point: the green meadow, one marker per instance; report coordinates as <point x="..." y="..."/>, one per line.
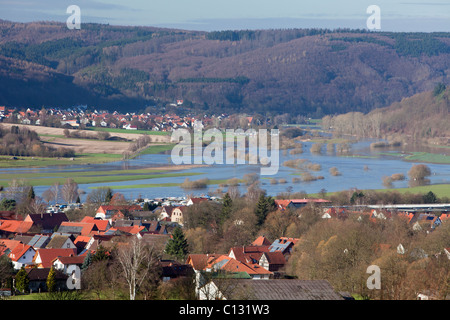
<point x="88" y="177"/>
<point x="428" y="157"/>
<point x="155" y="149"/>
<point x="440" y="190"/>
<point x="80" y="158"/>
<point x="425" y="157"/>
<point x="119" y="130"/>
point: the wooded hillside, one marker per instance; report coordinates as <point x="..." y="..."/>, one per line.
<point x="312" y="72"/>
<point x="423" y="117"/>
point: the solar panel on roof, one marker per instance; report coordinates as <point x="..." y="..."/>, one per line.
<point x="34" y="240"/>
<point x="41" y="242"/>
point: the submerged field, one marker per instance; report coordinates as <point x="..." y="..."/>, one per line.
<point x="88" y="177"/>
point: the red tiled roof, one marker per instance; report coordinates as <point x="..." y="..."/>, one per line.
<point x="131" y="229"/>
<point x="70" y="260"/>
<point x="198" y="200"/>
<point x="261" y="241"/>
<point x="233" y="265"/>
<point x="10" y="244"/>
<point x="15" y="226"/>
<point x="48" y="255"/>
<point x="276" y="257"/>
<point x="10" y="215"/>
<point x="249" y="254"/>
<point x="200" y="261"/>
<point x="18" y="251"/>
<point x="102" y="225"/>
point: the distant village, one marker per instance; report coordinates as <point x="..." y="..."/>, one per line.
<point x="80" y="118"/>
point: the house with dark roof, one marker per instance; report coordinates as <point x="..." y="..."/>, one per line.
<point x="173" y="270"/>
<point x="274" y="289"/>
<point x="47" y="222"/>
<point x="39" y="241"/>
<point x="154" y="227"/>
<point x="38" y="279"/>
<point x="272" y="261"/>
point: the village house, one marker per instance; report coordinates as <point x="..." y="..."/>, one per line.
<point x="64" y="263"/>
<point x="77" y="228"/>
<point x="47" y="222"/>
<point x="43" y="257"/>
<point x="283" y="245"/>
<point x="101" y="225"/>
<point x="106" y="212"/>
<point x="275" y="289"/>
<point x="61" y="242"/>
<point x="294" y="204"/>
<point x="177" y="214"/>
<point x="38" y="279"/>
<point x="21" y="255"/>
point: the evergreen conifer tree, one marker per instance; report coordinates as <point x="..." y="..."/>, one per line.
<point x="177" y="246"/>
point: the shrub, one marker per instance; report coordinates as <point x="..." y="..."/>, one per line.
<point x="334" y="171"/>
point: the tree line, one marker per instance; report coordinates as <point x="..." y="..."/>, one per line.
<point x="17" y="141"/>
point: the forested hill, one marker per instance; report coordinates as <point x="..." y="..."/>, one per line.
<point x="311" y="72"/>
<point x="423" y="117"/>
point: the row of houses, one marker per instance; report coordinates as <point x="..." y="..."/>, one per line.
<point x="39" y="242"/>
<point x="130" y="121"/>
<point x="424" y="218"/>
<point x="61" y="244"/>
<point x="235" y="275"/>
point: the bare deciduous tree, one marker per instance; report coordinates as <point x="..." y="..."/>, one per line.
<point x="138" y="260"/>
<point x="69" y="191"/>
<point x="37" y="206"/>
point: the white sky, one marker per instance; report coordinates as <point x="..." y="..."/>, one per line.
<point x="396" y="15"/>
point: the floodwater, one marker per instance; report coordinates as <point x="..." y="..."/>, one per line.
<point x="364" y="168"/>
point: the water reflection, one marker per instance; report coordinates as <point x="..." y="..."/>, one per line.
<point x="363" y="168"/>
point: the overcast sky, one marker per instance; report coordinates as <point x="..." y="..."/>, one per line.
<point x="396" y="15"/>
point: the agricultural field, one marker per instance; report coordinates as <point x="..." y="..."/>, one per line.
<point x="87" y="151"/>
